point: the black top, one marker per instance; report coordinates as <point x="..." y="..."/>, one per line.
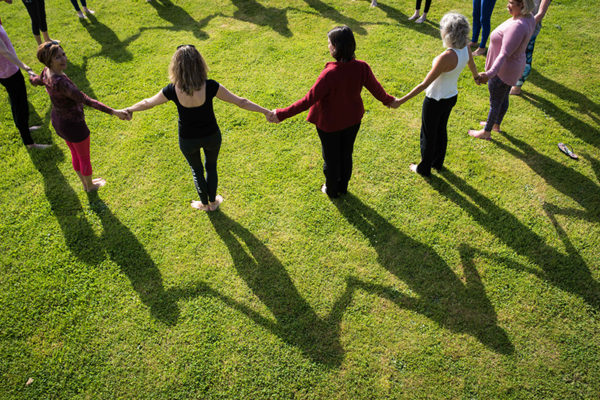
<point x="195" y="122"/>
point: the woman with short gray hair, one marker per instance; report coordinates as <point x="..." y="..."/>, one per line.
<point x="441" y="91"/>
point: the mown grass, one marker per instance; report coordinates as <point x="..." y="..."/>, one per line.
<point x="482" y="282"/>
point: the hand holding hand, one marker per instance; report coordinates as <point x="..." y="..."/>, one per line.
<point x="396" y="103"/>
<point x="123" y="114"/>
<point x="272" y="117"/>
<point x="483" y="78"/>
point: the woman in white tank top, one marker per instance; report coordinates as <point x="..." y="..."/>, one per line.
<point x="441" y="91"/>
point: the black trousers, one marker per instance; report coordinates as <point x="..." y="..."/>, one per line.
<point x="17" y="96"/>
<point x="206" y="186"/>
<point x="337" y="148"/>
<point x="37" y="13"/>
<point x="434" y="136"/>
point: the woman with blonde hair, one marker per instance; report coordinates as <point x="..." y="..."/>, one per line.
<point x="193" y="95"/>
<point x="505" y="62"/>
<point x="441" y="91"/>
<point x="67" y="111"/>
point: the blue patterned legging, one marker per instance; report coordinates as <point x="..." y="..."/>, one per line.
<point x="528" y="58"/>
<point x="482" y="14"/>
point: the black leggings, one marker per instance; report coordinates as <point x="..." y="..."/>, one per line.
<point x="37" y="13"/>
<point x="499" y="94"/>
<point x="74" y="2"/>
<point x="427" y="5"/>
<point x="205" y="186"/>
<point x="434" y="135"/>
<point x="337" y="148"/>
<point x="17" y="96"/>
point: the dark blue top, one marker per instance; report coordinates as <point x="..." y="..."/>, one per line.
<point x="195" y="122"/>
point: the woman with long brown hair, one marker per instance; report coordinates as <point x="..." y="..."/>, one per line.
<point x="193" y="93"/>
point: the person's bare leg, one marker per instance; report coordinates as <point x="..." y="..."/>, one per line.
<point x="414" y="16"/>
<point x="46" y="37"/>
<point x="422" y="18"/>
<point x="38" y="39"/>
<point x="90" y="184"/>
<point x="495" y="127"/>
<point x="373" y="3"/>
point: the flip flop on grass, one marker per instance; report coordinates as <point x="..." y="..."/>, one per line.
<point x="565" y="148"/>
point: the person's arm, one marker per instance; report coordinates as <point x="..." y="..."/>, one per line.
<point x="68" y="89"/>
<point x="226" y="95"/>
<point x="473" y="67"/>
<point x="11" y="56"/>
<point x="317" y="92"/>
<point x="447" y="61"/>
<point x="146" y="104"/>
<point x="513" y="36"/>
<point x="373" y="86"/>
<point x="542" y="10"/>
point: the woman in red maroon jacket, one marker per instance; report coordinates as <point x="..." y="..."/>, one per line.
<point x="336" y="108"/>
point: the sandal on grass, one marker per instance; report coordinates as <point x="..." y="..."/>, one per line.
<point x="565" y="148"/>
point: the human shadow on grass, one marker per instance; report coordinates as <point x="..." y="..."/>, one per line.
<point x="568" y="272"/>
<point x="125" y="250"/>
<point x="568" y="119"/>
<point x="253" y="12"/>
<point x="331" y="13"/>
<point x="295" y="321"/>
<point x="566" y="180"/>
<point x="78" y="74"/>
<point x="180" y="19"/>
<point x="111" y="46"/>
<point x="427" y="28"/>
<point x="439" y="293"/>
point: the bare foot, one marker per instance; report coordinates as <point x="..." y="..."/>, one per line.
<point x="34" y="128"/>
<point x="38" y="146"/>
<point x="198" y="205"/>
<point x="515" y="90"/>
<point x="373" y="3"/>
<point x="495" y="127"/>
<point x="214" y="205"/>
<point x="414" y="16"/>
<point x="88" y="11"/>
<point x="80" y="15"/>
<point x="481" y="51"/>
<point x="97" y="183"/>
<point x="413" y="168"/>
<point x="472" y="44"/>
<point x="480" y="134"/>
<point x="421" y="19"/>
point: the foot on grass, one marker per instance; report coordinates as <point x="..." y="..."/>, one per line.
<point x="373" y="3"/>
<point x="515" y="90"/>
<point x="214" y="205"/>
<point x="414" y="16"/>
<point x="80" y="15"/>
<point x="495" y="127"/>
<point x="421" y="19"/>
<point x="89" y="12"/>
<point x="97" y="183"/>
<point x="481" y="51"/>
<point x="473" y="44"/>
<point x="198" y="205"/>
<point x="38" y="146"/>
<point x="34" y="128"/>
<point x="480" y="134"/>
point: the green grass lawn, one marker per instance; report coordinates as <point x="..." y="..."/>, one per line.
<point x="482" y="282"/>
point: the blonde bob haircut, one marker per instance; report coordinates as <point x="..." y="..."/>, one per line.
<point x="46" y="52"/>
<point x="527" y="7"/>
<point x="454" y="29"/>
<point x="188" y="69"/>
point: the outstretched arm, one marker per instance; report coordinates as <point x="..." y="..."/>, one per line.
<point x="11" y="56"/>
<point x="226" y="95"/>
<point x="542" y="10"/>
<point x="146" y="104"/>
<point x="473" y="67"/>
<point x="447" y="61"/>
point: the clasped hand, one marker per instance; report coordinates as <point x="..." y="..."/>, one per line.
<point x="124" y="114"/>
<point x="271" y="116"/>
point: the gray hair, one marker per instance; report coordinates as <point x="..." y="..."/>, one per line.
<point x="455" y="29"/>
<point x="527" y="7"/>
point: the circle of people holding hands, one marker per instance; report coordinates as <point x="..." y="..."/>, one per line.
<point x="334" y="101"/>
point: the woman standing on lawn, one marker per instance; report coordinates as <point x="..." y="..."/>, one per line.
<point x="505" y="62"/>
<point x="441" y="92"/>
<point x="85" y="9"/>
<point x="193" y="95"/>
<point x="67" y="111"/>
<point x="37" y="13"/>
<point x="12" y="79"/>
<point x="482" y="16"/>
<point x="336" y="108"/>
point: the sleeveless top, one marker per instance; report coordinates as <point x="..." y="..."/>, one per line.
<point x="445" y="85"/>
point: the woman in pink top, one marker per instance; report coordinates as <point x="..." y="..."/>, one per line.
<point x="67" y="111"/>
<point x="505" y="62"/>
<point x="336" y="108"/>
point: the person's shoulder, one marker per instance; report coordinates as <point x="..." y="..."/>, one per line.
<point x="169" y="91"/>
<point x="212" y="87"/>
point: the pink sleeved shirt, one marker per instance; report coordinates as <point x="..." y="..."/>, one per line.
<point x="508" y="42"/>
<point x="7" y="68"/>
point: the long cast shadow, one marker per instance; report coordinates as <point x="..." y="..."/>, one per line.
<point x="566" y="180"/>
<point x="329" y="12"/>
<point x="568" y="272"/>
<point x="112" y="47"/>
<point x="296" y="322"/>
<point x="180" y="19"/>
<point x="568" y="120"/>
<point x="117" y="240"/>
<point x="402" y="19"/>
<point x="257" y="14"/>
<point x="440" y="295"/>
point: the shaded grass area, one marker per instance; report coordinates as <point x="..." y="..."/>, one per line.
<point x="480" y="282"/>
